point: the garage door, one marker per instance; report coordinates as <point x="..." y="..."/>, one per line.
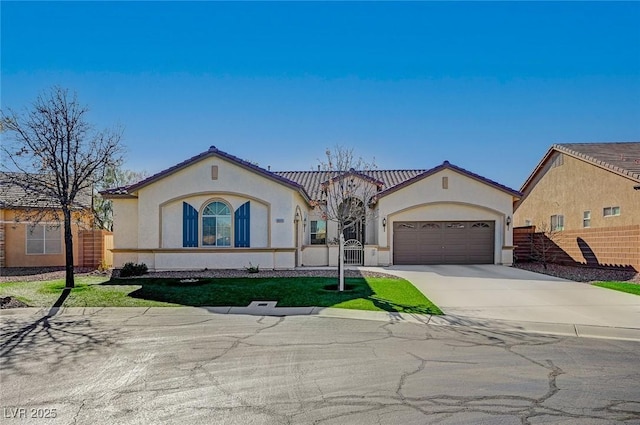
<point x="443" y="242"/>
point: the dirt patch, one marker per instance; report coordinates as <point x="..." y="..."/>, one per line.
<point x="582" y="274"/>
<point x="31" y="274"/>
<point x="10" y="302"/>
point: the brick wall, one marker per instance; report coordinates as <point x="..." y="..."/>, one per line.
<point x="611" y="246"/>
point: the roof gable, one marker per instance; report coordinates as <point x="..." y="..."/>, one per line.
<point x="127" y="191"/>
<point x="352" y="173"/>
<point x="622" y="158"/>
<point x="446" y="165"/>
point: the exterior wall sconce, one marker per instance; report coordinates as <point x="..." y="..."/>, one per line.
<point x="508" y="221"/>
<point x="384" y="223"/>
<point x="304" y="222"/>
<point x="297" y="217"/>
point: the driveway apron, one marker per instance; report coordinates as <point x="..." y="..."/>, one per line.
<point x="507" y="293"/>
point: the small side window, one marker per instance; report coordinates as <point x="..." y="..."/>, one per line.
<point x="610" y="211"/>
<point x="557" y="223"/>
<point x="586" y="219"/>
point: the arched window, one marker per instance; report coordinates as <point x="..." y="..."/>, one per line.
<point x="216" y="225"/>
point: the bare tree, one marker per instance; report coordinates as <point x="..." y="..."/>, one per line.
<point x="54" y="155"/>
<point x="114" y="176"/>
<point x="346" y="194"/>
<point x="544" y="244"/>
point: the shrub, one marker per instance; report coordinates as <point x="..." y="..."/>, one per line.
<point x="133" y="269"/>
<point x="253" y="269"/>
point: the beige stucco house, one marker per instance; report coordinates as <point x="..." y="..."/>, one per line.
<point x="215" y="210"/>
<point x="588" y="194"/>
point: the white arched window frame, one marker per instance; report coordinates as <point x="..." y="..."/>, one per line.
<point x="216" y="224"/>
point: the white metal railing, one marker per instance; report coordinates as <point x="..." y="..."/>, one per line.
<point x="353" y="252"/>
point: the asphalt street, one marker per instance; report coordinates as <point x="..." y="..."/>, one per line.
<point x="188" y="365"/>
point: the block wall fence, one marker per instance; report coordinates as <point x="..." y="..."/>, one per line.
<point x="599" y="247"/>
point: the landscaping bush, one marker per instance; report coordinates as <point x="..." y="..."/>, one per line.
<point x="253" y="269"/>
<point x="133" y="269"/>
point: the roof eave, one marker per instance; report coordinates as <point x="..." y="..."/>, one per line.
<point x="212" y="152"/>
<point x="598" y="163"/>
<point x="118" y="196"/>
<point x="449" y="166"/>
<point x="538" y="167"/>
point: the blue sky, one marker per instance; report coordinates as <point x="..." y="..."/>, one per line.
<point x="487" y="86"/>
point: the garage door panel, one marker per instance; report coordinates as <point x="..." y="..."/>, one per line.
<point x="441" y="242"/>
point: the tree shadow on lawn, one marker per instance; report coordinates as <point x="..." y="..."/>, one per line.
<point x="288" y="292"/>
<point x="390" y="306"/>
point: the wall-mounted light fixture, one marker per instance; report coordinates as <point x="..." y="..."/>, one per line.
<point x="297" y="217"/>
<point x="637" y="187"/>
<point x="304" y="222"/>
<point x="508" y="221"/>
<point x="384" y="223"/>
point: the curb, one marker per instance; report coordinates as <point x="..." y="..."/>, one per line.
<point x="268" y="308"/>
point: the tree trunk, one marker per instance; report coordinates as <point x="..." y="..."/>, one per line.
<point x="341" y="263"/>
<point x="340" y="253"/>
<point x="68" y="249"/>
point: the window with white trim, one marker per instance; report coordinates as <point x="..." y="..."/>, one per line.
<point x="318" y="232"/>
<point x="216" y="224"/>
<point x="44" y="239"/>
<point x="557" y="223"/>
<point x="610" y="211"/>
<point x="586" y="219"/>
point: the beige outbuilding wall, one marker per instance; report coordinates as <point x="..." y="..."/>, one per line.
<point x="569" y="186"/>
<point x="571" y="189"/>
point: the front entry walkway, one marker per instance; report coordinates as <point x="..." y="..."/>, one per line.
<point x="507" y="293"/>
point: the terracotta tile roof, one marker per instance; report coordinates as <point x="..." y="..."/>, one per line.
<point x="16" y="192"/>
<point x="312" y="180"/>
<point x="621" y="157"/>
<point x="391" y="180"/>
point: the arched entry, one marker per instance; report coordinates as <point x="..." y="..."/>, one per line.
<point x="354" y="218"/>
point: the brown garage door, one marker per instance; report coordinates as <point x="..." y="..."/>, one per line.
<point x="443" y="242"/>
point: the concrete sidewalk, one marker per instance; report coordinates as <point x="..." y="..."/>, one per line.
<point x="182" y="315"/>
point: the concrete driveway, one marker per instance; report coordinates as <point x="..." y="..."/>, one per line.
<point x="507" y="293"/>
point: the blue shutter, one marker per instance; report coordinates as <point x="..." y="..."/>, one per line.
<point x="189" y="225"/>
<point x="242" y="226"/>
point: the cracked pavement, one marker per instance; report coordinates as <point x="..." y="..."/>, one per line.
<point x="141" y="366"/>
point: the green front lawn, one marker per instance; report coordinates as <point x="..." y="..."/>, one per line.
<point x="382" y="294"/>
<point x="631" y="288"/>
<point x="89" y="292"/>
